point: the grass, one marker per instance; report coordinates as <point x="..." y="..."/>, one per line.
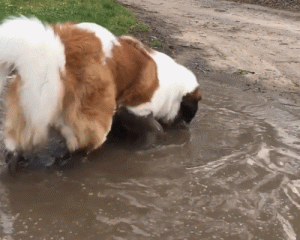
<point x="107" y="13"/>
<point x="156" y="43"/>
<point x="244" y="72"/>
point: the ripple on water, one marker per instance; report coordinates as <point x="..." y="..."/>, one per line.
<point x="234" y="174"/>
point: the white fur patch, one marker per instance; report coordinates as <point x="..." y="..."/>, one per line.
<point x="108" y="40"/>
<point x="175" y="81"/>
<point x="39" y="56"/>
<point x="10" y="144"/>
<point x="4" y="71"/>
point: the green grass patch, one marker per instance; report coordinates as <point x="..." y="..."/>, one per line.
<point x="141" y="27"/>
<point x="156" y="43"/>
<point x="107" y="13"/>
<point x="244" y="72"/>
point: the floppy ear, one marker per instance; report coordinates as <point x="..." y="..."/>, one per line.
<point x="138" y="80"/>
<point x="189" y="105"/>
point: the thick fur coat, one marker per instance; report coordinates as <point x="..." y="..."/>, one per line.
<point x="75" y="76"/>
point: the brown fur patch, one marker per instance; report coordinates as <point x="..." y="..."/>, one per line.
<point x="89" y="98"/>
<point x="195" y="95"/>
<point x="135" y="72"/>
<point x="137" y="44"/>
<point x="15" y="121"/>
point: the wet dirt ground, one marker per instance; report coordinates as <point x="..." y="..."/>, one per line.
<point x="234" y="173"/>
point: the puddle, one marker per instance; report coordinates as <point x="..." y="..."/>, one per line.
<point x="234" y="174"/>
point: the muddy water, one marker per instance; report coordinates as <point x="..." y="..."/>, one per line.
<point x="234" y="174"/>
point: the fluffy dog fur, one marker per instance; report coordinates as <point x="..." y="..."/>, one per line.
<point x="75" y="76"/>
<point x="177" y="89"/>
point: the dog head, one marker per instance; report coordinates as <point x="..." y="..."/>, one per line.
<point x="178" y="94"/>
<point x="188" y="107"/>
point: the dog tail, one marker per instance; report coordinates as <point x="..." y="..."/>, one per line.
<point x="38" y="55"/>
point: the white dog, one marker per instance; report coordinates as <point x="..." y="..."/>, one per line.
<point x="75" y="76"/>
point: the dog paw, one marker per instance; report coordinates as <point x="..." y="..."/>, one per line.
<point x="63" y="160"/>
<point x="12" y="159"/>
<point x="149" y="140"/>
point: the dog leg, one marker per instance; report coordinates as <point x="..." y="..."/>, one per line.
<point x="138" y="123"/>
<point x="14" y="118"/>
<point x="12" y="156"/>
<point x="18" y="134"/>
<point x="12" y="159"/>
<point x="146" y="129"/>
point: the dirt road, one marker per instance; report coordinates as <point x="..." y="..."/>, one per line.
<point x="233" y="37"/>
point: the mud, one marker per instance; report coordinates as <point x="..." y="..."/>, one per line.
<point x="234" y="173"/>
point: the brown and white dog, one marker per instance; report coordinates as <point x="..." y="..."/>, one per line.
<point x="75" y="76"/>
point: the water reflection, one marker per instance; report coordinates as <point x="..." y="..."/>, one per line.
<point x="234" y="174"/>
<point x="7" y="219"/>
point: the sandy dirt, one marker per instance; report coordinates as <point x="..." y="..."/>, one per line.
<point x="259" y="42"/>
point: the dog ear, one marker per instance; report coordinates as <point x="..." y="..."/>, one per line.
<point x="193" y="96"/>
<point x="139" y="76"/>
<point x="189" y="105"/>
